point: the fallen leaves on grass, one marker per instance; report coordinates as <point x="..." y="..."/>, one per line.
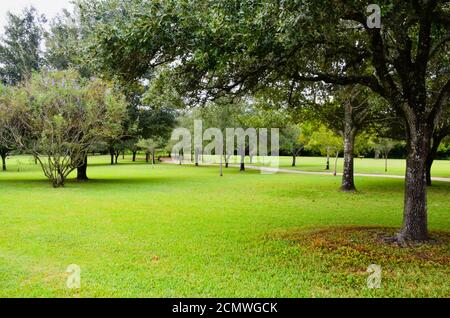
<point x="353" y="247"/>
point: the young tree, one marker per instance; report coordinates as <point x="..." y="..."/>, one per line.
<point x="384" y="146"/>
<point x="62" y="52"/>
<point x="327" y="143"/>
<point x="150" y="146"/>
<point x="293" y="141"/>
<point x="58" y="117"/>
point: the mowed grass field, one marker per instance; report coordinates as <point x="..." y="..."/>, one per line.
<point x="138" y="230"/>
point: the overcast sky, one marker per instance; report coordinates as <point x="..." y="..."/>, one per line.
<point x="48" y="7"/>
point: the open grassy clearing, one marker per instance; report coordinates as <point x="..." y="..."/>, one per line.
<point x="142" y="231"/>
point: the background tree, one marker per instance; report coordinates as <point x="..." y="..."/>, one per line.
<point x="6" y="139"/>
<point x="150" y="146"/>
<point x="64" y="44"/>
<point x="347" y="111"/>
<point x="292" y="141"/>
<point x="384" y="146"/>
<point x="20" y="46"/>
<point x="327" y="143"/>
<point x="221" y="114"/>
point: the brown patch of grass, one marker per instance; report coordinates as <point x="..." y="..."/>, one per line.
<point x="352" y="248"/>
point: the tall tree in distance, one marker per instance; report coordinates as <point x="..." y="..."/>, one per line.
<point x="6" y="140"/>
<point x="64" y="44"/>
<point x="292" y="141"/>
<point x="20" y="52"/>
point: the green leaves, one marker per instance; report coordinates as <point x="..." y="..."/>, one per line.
<point x="20" y="46"/>
<point x="60" y="116"/>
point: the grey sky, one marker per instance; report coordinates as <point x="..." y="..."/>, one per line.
<point x="48" y="7"/>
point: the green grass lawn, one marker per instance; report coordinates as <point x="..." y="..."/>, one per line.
<point x="170" y="231"/>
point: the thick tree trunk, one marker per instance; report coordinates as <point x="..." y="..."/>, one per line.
<point x="147" y="157"/>
<point x="3" y="155"/>
<point x="134" y="156"/>
<point x="350" y="130"/>
<point x="327" y="167"/>
<point x="428" y="171"/>
<point x="348" y="183"/>
<point x="293" y="160"/>
<point x="242" y="165"/>
<point x="82" y="171"/>
<point x="153" y="157"/>
<point x="415" y="207"/>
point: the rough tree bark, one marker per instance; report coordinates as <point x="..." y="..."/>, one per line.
<point x="82" y="171"/>
<point x="415" y="209"/>
<point x="348" y="183"/>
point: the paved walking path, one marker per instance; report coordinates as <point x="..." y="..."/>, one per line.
<point x="269" y="169"/>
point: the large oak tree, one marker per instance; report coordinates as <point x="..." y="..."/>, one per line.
<point x="236" y="46"/>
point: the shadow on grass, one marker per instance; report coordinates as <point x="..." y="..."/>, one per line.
<point x="94" y="183"/>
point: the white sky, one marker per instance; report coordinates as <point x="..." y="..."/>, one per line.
<point x="48" y="7"/>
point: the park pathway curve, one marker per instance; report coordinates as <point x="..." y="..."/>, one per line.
<point x="268" y="169"/>
<point x="293" y="171"/>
